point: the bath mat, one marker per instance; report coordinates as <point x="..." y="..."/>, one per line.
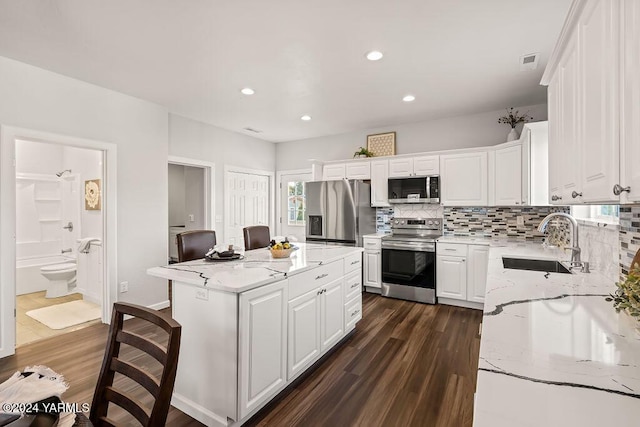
<point x="68" y="314"/>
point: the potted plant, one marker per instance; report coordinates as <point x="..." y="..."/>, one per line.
<point x="362" y="152"/>
<point x="512" y="119"/>
<point x="627" y="295"/>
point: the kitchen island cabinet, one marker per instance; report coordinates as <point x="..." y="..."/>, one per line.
<point x="251" y="326"/>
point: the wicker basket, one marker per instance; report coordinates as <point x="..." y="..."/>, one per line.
<point x="280" y="253"/>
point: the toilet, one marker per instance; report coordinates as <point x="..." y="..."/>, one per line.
<point x="62" y="279"/>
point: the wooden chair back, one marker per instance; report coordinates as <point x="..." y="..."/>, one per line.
<point x="161" y="389"/>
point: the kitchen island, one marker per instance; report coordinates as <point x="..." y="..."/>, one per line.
<point x="553" y="352"/>
<point x="251" y="326"/>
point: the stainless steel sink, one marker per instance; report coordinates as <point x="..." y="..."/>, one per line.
<point x="535" y="265"/>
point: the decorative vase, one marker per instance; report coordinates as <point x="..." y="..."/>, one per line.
<point x="513" y="135"/>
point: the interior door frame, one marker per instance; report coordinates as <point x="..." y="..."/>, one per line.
<point x="209" y="186"/>
<point x="8" y="137"/>
<point x="272" y="185"/>
<point x="279" y="192"/>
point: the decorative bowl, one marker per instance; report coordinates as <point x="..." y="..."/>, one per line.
<point x="281" y="253"/>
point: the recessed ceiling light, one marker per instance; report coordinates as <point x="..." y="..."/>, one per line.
<point x="248" y="91"/>
<point x="374" y="55"/>
<point x="409" y="98"/>
<point x="306" y="118"/>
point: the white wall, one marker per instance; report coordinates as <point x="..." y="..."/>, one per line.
<point x="196" y="140"/>
<point x="176" y="195"/>
<point x="194" y="197"/>
<point x="88" y="164"/>
<point x="34" y="98"/>
<point x="474" y="130"/>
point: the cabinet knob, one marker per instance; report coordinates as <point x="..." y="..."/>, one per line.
<point x="619" y="189"/>
<point x="575" y="194"/>
<point x="517" y="203"/>
<point x="556" y="198"/>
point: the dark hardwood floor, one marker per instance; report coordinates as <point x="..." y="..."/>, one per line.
<point x="407" y="364"/>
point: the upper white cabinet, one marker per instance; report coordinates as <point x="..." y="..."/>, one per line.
<point x="379" y="183"/>
<point x="592" y="114"/>
<point x="414" y="166"/>
<point x="630" y="111"/>
<point x="464" y="179"/>
<point x="507" y="176"/>
<point x="358" y="170"/>
<point x="333" y="172"/>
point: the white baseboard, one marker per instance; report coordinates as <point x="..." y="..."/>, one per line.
<point x="160" y="305"/>
<point x="197" y="411"/>
<point x="461" y="303"/>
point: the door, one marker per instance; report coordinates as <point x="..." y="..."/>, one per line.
<point x="372" y="269"/>
<point x="599" y="100"/>
<point x="464" y="179"/>
<point x="379" y="183"/>
<point x="508" y="176"/>
<point x="477" y="266"/>
<point x="263" y="344"/>
<point x="247" y="203"/>
<point x="400" y="167"/>
<point x="331" y="314"/>
<point x="426" y="165"/>
<point x="293" y="204"/>
<point x="452" y="277"/>
<point x="630" y="148"/>
<point x="304" y="332"/>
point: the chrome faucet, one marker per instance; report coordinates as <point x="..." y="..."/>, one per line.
<point x="575" y="242"/>
<point x="64" y="251"/>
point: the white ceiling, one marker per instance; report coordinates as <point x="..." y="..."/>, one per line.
<point x="301" y="57"/>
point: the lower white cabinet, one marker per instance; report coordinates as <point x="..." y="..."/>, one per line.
<point x="263" y="345"/>
<point x="316" y="323"/>
<point x="461" y="271"/>
<point x="372" y="266"/>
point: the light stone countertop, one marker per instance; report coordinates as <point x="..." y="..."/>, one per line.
<point x="553" y="352"/>
<point x="257" y="268"/>
<point x="475" y="240"/>
<point x="378" y="235"/>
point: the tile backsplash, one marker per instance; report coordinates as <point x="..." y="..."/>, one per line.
<point x="513" y="222"/>
<point x="629" y="236"/>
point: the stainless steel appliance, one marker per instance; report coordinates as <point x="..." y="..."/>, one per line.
<point x="339" y="211"/>
<point x="415" y="189"/>
<point x="409" y="259"/>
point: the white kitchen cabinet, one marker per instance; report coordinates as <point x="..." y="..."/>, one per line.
<point x="379" y="183"/>
<point x="535" y="163"/>
<point x="400" y="167"/>
<point x="304" y="332"/>
<point x="507" y="176"/>
<point x="630" y="103"/>
<point x="426" y="165"/>
<point x="477" y="266"/>
<point x="334" y="172"/>
<point x="263" y="345"/>
<point x="372" y="268"/>
<point x="555" y="148"/>
<point x="464" y="179"/>
<point x="598" y="99"/>
<point x="331" y="314"/>
<point x="358" y="170"/>
<point x="451" y="274"/>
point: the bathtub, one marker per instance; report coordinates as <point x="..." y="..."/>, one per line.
<point x="28" y="277"/>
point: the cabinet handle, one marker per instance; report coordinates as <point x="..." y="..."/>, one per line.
<point x="355" y="285"/>
<point x="556" y="198"/>
<point x="448" y="249"/>
<point x="318" y="293"/>
<point x="517" y="203"/>
<point x="355" y="262"/>
<point x="355" y="313"/>
<point x="575" y="194"/>
<point x="324" y="291"/>
<point x="322" y="276"/>
<point x="619" y="189"/>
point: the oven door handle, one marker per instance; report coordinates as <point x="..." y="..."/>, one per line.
<point x="429" y="247"/>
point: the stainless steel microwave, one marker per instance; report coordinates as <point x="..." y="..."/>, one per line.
<point x="415" y="189"/>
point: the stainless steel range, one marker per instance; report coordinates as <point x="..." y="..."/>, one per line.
<point x="409" y="259"/>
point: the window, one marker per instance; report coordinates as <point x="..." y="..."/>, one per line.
<point x="598" y="213"/>
<point x="296" y="203"/>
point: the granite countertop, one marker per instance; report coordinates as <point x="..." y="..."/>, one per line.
<point x="257" y="268"/>
<point x="553" y="352"/>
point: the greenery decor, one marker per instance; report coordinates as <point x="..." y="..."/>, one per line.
<point x="513" y="118"/>
<point x="627" y="296"/>
<point x="363" y="152"/>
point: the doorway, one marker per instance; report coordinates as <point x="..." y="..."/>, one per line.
<point x="248" y="201"/>
<point x="292" y="203"/>
<point x="58" y="227"/>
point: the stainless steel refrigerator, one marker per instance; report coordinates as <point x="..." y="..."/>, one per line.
<point x="339" y="211"/>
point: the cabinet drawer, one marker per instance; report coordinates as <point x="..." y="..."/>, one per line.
<point x="372" y="243"/>
<point x="352" y="285"/>
<point x="451" y="249"/>
<point x="353" y="262"/>
<point x="309" y="280"/>
<point x="352" y="313"/>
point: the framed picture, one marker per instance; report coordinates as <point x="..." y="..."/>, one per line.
<point x="92" y="195"/>
<point x="382" y="144"/>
